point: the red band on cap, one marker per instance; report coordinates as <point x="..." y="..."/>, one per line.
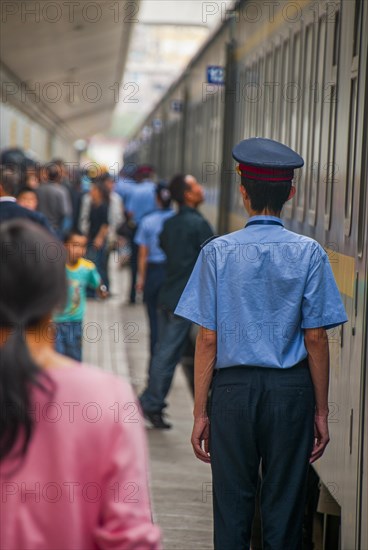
<point x="266" y="174"/>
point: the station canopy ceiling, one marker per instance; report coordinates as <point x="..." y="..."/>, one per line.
<point x="67" y="58"/>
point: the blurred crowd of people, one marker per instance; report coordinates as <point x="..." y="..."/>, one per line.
<point x="88" y="214"/>
<point x="95" y="212"/>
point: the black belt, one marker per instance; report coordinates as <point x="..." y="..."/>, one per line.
<point x="302" y="363"/>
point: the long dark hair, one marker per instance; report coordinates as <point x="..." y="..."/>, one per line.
<point x="99" y="183"/>
<point x="33" y="284"/>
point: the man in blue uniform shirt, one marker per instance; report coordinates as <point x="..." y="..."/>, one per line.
<point x="141" y="201"/>
<point x="152" y="259"/>
<point x="263" y="297"/>
<point x="180" y="240"/>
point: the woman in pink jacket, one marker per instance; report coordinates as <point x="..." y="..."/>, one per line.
<point x="73" y="460"/>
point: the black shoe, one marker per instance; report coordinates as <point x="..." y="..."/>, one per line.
<point x="157" y="420"/>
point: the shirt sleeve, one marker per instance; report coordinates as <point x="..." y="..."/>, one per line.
<point x="141" y="235"/>
<point x="198" y="302"/>
<point x="126" y="520"/>
<point x="205" y="232"/>
<point x="67" y="201"/>
<point x="162" y="238"/>
<point x="322" y="306"/>
<point x="94" y="278"/>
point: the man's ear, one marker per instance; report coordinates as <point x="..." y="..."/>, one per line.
<point x="292" y="192"/>
<point x="243" y="191"/>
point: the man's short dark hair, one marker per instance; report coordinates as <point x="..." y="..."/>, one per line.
<point x="177" y="188"/>
<point x="26" y="189"/>
<point x="9" y="180"/>
<point x="53" y="172"/>
<point x="73" y="233"/>
<point x="266" y="194"/>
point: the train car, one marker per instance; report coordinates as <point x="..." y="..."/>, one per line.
<point x="295" y="72"/>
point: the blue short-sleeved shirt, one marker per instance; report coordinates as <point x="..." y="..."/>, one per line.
<point x="124" y="187"/>
<point x="259" y="288"/>
<point x="142" y="200"/>
<point x="148" y="232"/>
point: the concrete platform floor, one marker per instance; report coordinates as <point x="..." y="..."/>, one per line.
<point x="116" y="339"/>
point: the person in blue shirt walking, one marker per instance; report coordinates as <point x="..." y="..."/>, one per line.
<point x="264" y="298"/>
<point x="126" y="183"/>
<point x="141" y="201"/>
<point x="181" y="240"/>
<point x="152" y="259"/>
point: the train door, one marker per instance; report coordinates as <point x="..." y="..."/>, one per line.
<point x="227" y="171"/>
<point x="355" y="234"/>
<point x="363" y="254"/>
<point x="341" y="470"/>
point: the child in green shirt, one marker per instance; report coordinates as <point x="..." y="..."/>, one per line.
<point x="81" y="273"/>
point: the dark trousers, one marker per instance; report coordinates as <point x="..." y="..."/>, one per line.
<point x="154" y="278"/>
<point x="133" y="270"/>
<point x="100" y="257"/>
<point x="69" y="339"/>
<point x="260" y="416"/>
<point x="173" y="332"/>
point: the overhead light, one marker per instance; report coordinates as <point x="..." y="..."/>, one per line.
<point x="80" y="145"/>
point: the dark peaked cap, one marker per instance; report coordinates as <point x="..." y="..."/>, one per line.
<point x="266" y="159"/>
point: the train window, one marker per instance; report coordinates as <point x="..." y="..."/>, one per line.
<point x="253" y="97"/>
<point x="259" y="88"/>
<point x="351" y="154"/>
<point x="208" y="130"/>
<point x="202" y="118"/>
<point x="357" y="26"/>
<point x="218" y="127"/>
<point x="352" y="149"/>
<point x="241" y="120"/>
<point x="196" y="151"/>
<point x="318" y="116"/>
<point x="362" y="223"/>
<point x="189" y="135"/>
<point x="214" y="128"/>
<point x="275" y="95"/>
<point x="293" y="92"/>
<point x="306" y="116"/>
<point x="336" y="39"/>
<point x="330" y="170"/>
<point x="284" y="103"/>
<point x="246" y="107"/>
<point x="267" y="96"/>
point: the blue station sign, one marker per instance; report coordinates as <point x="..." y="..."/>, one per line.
<point x="216" y="75"/>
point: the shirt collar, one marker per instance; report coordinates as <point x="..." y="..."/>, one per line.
<point x="185" y="208"/>
<point x="265" y="217"/>
<point x="75" y="266"/>
<point x="8" y="199"/>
